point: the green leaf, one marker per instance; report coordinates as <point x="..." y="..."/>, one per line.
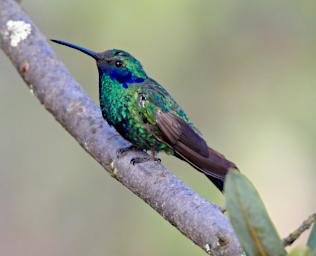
<point x="300" y="251"/>
<point x="312" y="239"/>
<point x="250" y="219"/>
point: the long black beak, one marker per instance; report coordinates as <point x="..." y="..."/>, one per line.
<point x="79" y="48"/>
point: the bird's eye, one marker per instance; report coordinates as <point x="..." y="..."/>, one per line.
<point x="118" y="63"/>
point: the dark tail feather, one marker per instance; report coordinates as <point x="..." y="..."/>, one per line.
<point x="217" y="182"/>
<point x="215" y="166"/>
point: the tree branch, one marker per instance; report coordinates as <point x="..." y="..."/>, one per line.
<point x="49" y="80"/>
<point x="290" y="239"/>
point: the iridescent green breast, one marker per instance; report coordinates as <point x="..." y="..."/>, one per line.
<point x="120" y="107"/>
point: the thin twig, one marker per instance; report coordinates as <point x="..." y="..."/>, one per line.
<point x="290" y="239"/>
<point x="49" y="80"/>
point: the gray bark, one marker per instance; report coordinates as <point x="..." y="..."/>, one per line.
<point x="50" y="81"/>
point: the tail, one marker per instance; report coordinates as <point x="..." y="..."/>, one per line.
<point x="215" y="166"/>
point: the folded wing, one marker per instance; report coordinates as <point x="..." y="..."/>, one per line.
<point x="191" y="147"/>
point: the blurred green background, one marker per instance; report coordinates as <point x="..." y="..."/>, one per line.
<point x="244" y="71"/>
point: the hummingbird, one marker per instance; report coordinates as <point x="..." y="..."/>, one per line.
<point x="145" y="114"/>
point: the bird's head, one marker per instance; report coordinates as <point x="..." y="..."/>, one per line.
<point x="118" y="64"/>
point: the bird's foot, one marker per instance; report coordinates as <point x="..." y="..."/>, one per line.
<point x="139" y="160"/>
<point x="158" y="160"/>
<point x="123" y="151"/>
<point x="154" y="156"/>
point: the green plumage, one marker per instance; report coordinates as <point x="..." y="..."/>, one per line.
<point x="144" y="113"/>
<point x="130" y="115"/>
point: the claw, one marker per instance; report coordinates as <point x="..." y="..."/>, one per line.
<point x="139" y="160"/>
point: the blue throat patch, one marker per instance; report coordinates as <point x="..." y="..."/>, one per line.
<point x="124" y="78"/>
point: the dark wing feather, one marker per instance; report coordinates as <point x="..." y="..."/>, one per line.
<point x="192" y="148"/>
<point x="177" y="131"/>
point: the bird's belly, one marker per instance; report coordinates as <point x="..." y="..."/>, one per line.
<point x="138" y="135"/>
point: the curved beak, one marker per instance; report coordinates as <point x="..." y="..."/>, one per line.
<point x="79" y="48"/>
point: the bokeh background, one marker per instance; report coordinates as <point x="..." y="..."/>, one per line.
<point x="244" y="71"/>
